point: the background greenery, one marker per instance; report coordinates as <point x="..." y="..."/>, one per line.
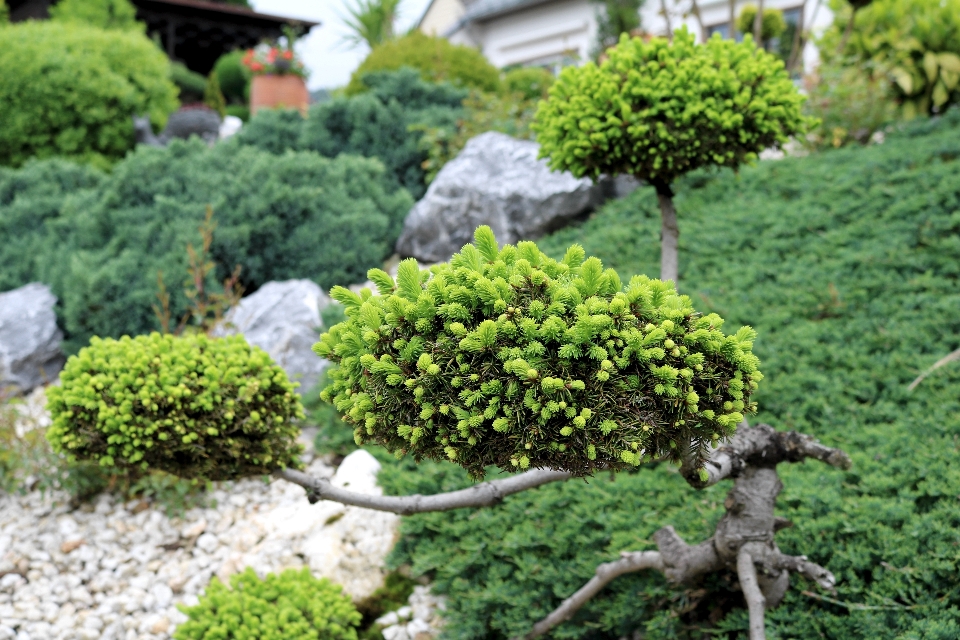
<point x="86" y="233"/>
<point x="847" y="264"/>
<point x="386" y="121"/>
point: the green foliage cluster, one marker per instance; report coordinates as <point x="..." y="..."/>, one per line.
<point x="70" y="90"/>
<point x="915" y="43"/>
<point x="84" y="232"/>
<point x="292" y="605"/>
<point x="527" y="83"/>
<point x="434" y="57"/>
<point x="772" y="25"/>
<point x="190" y="84"/>
<point x="233" y="77"/>
<point x="656" y="110"/>
<point x="385" y="122"/>
<point x="849" y="104"/>
<point x="193" y="406"/>
<point x="846" y="262"/>
<point x="507" y="357"/>
<point x="103" y="14"/>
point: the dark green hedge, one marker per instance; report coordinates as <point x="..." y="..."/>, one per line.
<point x="99" y="240"/>
<point x="386" y="122"/>
<point x="847" y="264"/>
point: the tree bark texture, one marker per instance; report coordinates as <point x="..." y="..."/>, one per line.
<point x="758" y="28"/>
<point x="669" y="237"/>
<point x="744" y="539"/>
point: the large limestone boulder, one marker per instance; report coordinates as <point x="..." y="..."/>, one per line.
<point x="283" y="319"/>
<point x="29" y="339"/>
<point x="497" y="181"/>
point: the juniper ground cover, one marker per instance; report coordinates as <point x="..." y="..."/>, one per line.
<point x="846" y="263"/>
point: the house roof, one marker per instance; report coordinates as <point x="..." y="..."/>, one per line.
<point x="486" y="9"/>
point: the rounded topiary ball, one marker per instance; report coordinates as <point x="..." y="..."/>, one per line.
<point x="507" y="357"/>
<point x="292" y="605"/>
<point x="194" y="406"/>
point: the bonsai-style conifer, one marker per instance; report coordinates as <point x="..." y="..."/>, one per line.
<point x="657" y="110"/>
<point x="507" y="357"/>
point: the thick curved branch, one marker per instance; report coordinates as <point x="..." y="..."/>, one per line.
<point x="485" y="494"/>
<point x="756" y="604"/>
<point x="761" y="446"/>
<point x="629" y="562"/>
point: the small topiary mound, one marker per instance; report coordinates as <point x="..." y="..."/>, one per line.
<point x="507" y="357"/>
<point x="293" y="606"/>
<point x="197" y="407"/>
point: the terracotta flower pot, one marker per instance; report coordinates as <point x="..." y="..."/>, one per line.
<point x="286" y="91"/>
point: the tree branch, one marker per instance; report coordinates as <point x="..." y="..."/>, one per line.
<point x="756" y="603"/>
<point x="809" y="570"/>
<point x="761" y="445"/>
<point x="485" y="494"/>
<point x="629" y="562"/>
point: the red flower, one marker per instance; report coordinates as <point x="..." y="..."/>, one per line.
<point x="256" y="66"/>
<point x="288" y="55"/>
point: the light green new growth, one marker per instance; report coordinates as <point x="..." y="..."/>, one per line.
<point x="197" y="407"/>
<point x="507" y="357"/>
<point x="656" y="110"/>
<point x="290" y="606"/>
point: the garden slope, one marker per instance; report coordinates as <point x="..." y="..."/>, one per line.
<point x="846" y="263"/>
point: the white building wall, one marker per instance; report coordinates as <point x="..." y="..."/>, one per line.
<point x="562" y="30"/>
<point x="717" y="12"/>
<point x="440" y="15"/>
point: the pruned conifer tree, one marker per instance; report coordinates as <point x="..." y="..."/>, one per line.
<point x="657" y="110"/>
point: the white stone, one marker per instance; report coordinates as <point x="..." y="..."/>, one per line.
<point x="207" y="542"/>
<point x="388" y="619"/>
<point x="404" y="612"/>
<point x="29" y="339"/>
<point x="395" y="633"/>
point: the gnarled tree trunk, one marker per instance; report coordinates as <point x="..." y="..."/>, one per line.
<point x="744" y="539"/>
<point x="669" y="234"/>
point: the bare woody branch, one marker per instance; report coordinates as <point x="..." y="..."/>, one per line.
<point x="756" y="603"/>
<point x="761" y="446"/>
<point x="629" y="562"/>
<point x="485" y="494"/>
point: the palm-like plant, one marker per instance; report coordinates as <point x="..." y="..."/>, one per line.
<point x="371" y="22"/>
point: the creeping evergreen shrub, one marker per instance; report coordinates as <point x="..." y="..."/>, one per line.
<point x="507" y="357"/>
<point x="658" y="109"/>
<point x="290" y="606"/>
<point x="71" y="89"/>
<point x="85" y="233"/>
<point x="193" y="406"/>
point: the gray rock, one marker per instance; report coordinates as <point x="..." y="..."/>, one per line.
<point x="283" y="319"/>
<point x="496" y="180"/>
<point x="29" y="339"/>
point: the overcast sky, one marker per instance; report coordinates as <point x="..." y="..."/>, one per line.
<point x="330" y="60"/>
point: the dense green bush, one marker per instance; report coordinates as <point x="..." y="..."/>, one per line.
<point x="190" y="84"/>
<point x="850" y="105"/>
<point x="234" y="77"/>
<point x="528" y="83"/>
<point x="197" y="407"/>
<point x="103" y="14"/>
<point x="434" y="57"/>
<point x="99" y="240"/>
<point x="387" y="122"/>
<point x="555" y="364"/>
<point x="292" y="605"/>
<point x="71" y="90"/>
<point x="846" y="263"/>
